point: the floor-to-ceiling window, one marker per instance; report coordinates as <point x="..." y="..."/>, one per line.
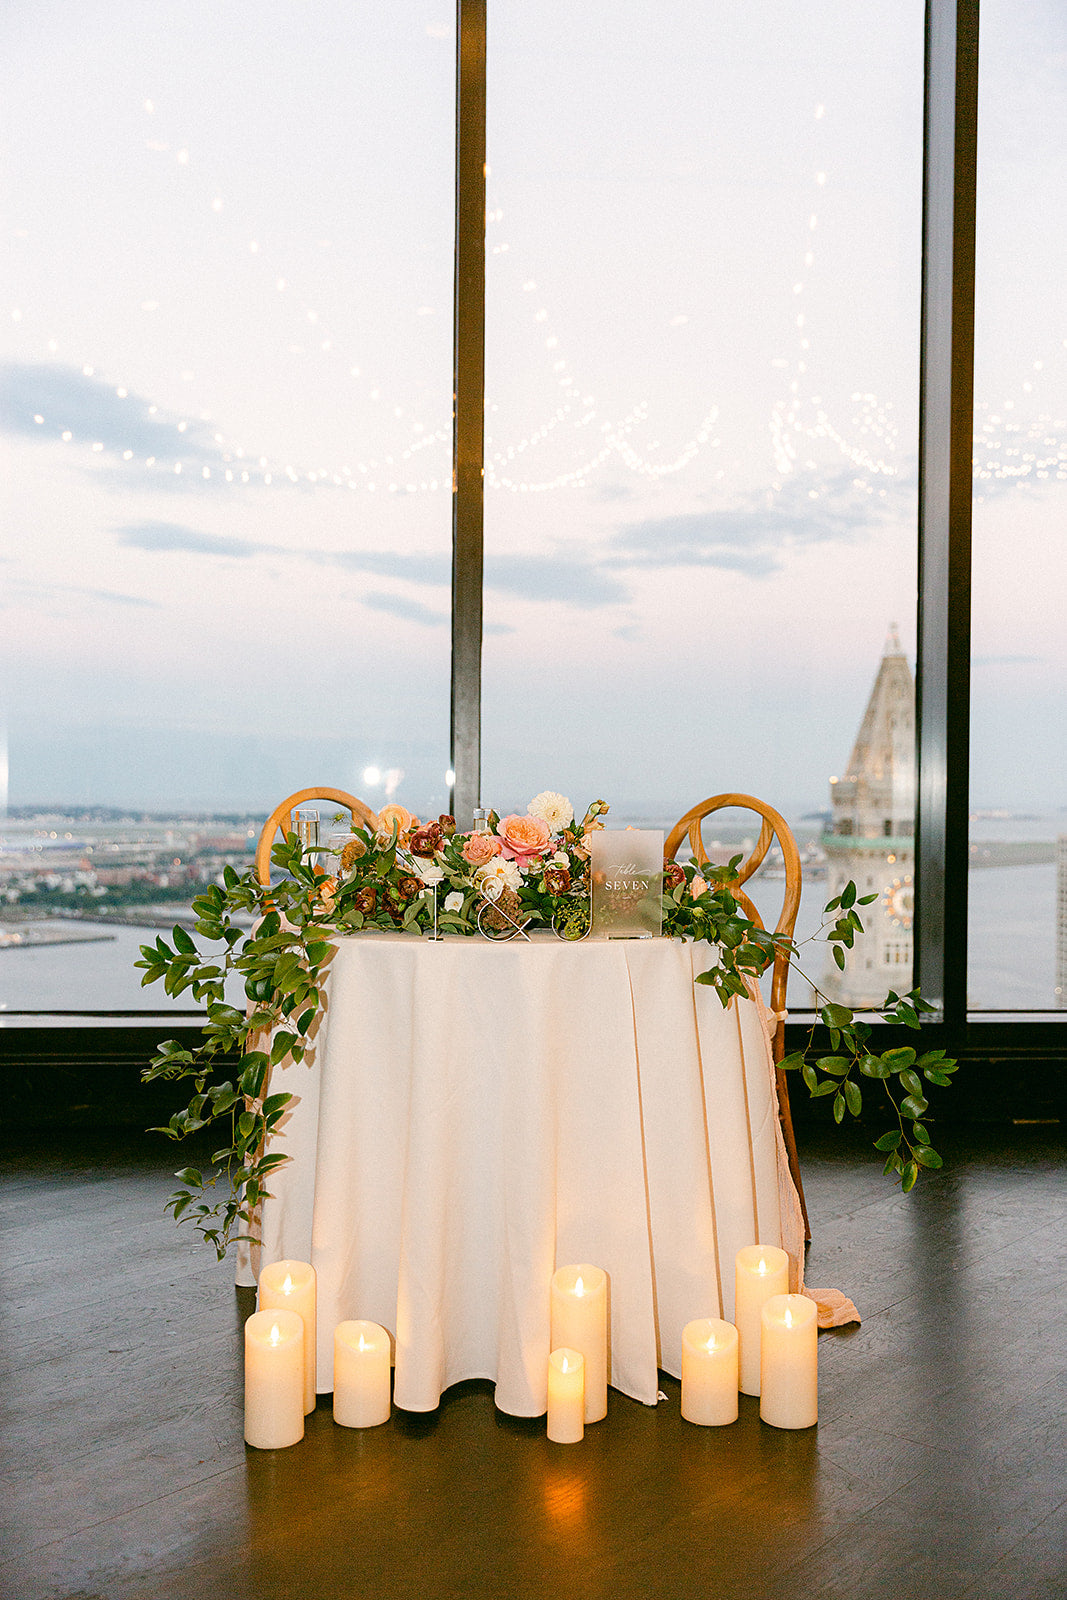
<point x="228" y="323"/>
<point x="1019" y="655"/>
<point x="702" y="327"/>
<point x="227" y="435"/>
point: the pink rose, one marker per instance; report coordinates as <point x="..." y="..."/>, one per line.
<point x="480" y="848"/>
<point x="524" y="837"/>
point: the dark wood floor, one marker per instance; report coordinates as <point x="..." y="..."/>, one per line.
<point x="938" y="1467"/>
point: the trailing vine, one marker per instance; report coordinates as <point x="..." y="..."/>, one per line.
<point x="279" y="940"/>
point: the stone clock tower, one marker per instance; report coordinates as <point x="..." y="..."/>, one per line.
<point x="872" y="837"/>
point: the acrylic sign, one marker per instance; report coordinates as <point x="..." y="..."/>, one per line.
<point x="626" y="866"/>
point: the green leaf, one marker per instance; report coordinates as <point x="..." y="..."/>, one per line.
<point x="942" y="1079"/>
<point x="896" y="1060"/>
<point x="919" y="1133"/>
<point x="827" y="1086"/>
<point x="837" y="1065"/>
<point x="810" y="1077"/>
<point x="182" y="940"/>
<point x="888" y="1141"/>
<point x="191" y="1176"/>
<point x="873" y="1067"/>
<point x="867" y="900"/>
<point x="839" y="956"/>
<point x="853" y="1097"/>
<point x="908" y="1177"/>
<point x="836" y="1016"/>
<point x="927" y="1157"/>
<point x="913" y="1106"/>
<point x="848" y="895"/>
<point x="793" y="1062"/>
<point x="911" y="1082"/>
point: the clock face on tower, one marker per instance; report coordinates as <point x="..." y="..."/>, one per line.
<point x="897" y="899"/>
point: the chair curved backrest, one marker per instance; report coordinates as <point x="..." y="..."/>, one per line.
<point x="281" y="821"/>
<point x="772" y="826"/>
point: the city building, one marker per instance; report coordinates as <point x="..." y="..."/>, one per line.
<point x="871" y="838"/>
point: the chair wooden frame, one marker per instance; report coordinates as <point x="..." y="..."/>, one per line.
<point x="281" y="821"/>
<point x="773" y="825"/>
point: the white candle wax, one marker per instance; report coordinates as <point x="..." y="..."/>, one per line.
<point x="760" y="1270"/>
<point x="290" y="1286"/>
<point x="709" y="1372"/>
<point x="580" y="1321"/>
<point x="274" y="1379"/>
<point x="566" y="1396"/>
<point x="360" y="1374"/>
<point x="789" y="1362"/>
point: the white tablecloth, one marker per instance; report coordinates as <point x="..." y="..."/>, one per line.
<point x="474" y="1115"/>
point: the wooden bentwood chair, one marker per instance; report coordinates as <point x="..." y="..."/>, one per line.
<point x="280" y="821"/>
<point x="773" y="826"/>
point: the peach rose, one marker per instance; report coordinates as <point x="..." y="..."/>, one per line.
<point x="401" y="816"/>
<point x="480" y="848"/>
<point x="524" y="837"/>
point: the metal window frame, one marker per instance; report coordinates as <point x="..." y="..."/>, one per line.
<point x="944" y="533"/>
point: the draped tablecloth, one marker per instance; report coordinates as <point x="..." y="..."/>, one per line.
<point x="475" y="1114"/>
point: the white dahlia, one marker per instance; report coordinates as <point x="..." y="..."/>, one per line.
<point x="555" y="809"/>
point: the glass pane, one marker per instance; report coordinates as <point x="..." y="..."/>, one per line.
<point x="702" y="331"/>
<point x="1019" y="643"/>
<point x="227" y="426"/>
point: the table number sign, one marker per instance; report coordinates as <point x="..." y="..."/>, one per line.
<point x="626" y="867"/>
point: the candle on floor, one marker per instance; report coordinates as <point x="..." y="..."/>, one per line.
<point x="580" y="1321"/>
<point x="290" y="1286"/>
<point x="760" y="1270"/>
<point x="789" y="1362"/>
<point x="566" y="1396"/>
<point x="709" y="1372"/>
<point x="274" y="1379"/>
<point x="360" y="1374"/>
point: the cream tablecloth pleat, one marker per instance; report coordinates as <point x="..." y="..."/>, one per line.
<point x="474" y="1115"/>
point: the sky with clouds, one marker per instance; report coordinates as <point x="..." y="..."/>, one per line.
<point x="226" y="390"/>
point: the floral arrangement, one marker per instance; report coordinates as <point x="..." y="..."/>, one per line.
<point x="428" y="878"/>
<point x="508" y="873"/>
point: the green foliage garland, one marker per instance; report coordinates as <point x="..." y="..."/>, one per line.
<point x="279" y="941"/>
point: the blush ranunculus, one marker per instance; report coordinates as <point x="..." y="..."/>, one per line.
<point x="480" y="848"/>
<point x="524" y="837"/>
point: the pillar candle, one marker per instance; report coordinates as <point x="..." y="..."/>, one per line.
<point x="789" y="1362"/>
<point x="580" y="1321"/>
<point x="360" y="1375"/>
<point x="566" y="1396"/>
<point x="274" y="1379"/>
<point x="290" y="1285"/>
<point x="760" y="1271"/>
<point x="709" y="1372"/>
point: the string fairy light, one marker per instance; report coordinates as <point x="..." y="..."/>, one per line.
<point x="1010" y="447"/>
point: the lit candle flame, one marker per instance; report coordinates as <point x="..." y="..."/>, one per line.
<point x="711" y="1344"/>
<point x="287" y="1286"/>
<point x="761" y="1265"/>
<point x="565" y="1365"/>
<point x="362" y="1343"/>
<point x="579" y="1286"/>
<point x="788" y="1317"/>
<point x="275" y="1334"/>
